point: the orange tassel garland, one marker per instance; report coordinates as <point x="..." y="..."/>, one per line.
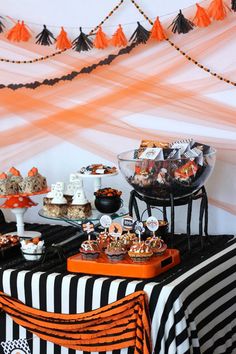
<point x="24" y="33"/>
<point x="62" y="41"/>
<point x="217" y="10"/>
<point x="157" y="31"/>
<point x="14" y="34"/>
<point x="101" y="41"/>
<point x="18" y="33"/>
<point x="118" y="38"/>
<point x="201" y="18"/>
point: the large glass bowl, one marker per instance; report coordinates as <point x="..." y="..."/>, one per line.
<point x="157" y="179"/>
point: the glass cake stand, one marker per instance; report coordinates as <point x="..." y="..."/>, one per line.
<point x="97" y="178"/>
<point x="19" y="204"/>
<point x="95" y="217"/>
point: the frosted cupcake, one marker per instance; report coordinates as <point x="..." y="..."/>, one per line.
<point x="115" y="251"/>
<point x="140" y="251"/>
<point x="89" y="249"/>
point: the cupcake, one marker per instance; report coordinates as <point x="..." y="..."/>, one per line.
<point x="103" y="240"/>
<point x="32" y="249"/>
<point x="128" y="239"/>
<point x="115" y="251"/>
<point x="89" y="249"/>
<point x="157" y="245"/>
<point x="140" y="251"/>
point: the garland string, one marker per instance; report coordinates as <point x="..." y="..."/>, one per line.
<point x="85" y="70"/>
<point x="188" y="57"/>
<point x="46" y="57"/>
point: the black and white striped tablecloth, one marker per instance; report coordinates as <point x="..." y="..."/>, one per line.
<point x="192" y="311"/>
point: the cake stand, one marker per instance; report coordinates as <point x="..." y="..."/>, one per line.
<point x="18" y="204"/>
<point x="97" y="178"/>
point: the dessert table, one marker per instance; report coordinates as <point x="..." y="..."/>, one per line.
<point x="192" y="306"/>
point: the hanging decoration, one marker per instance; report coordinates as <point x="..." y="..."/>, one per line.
<point x="101" y="40"/>
<point x="62" y="41"/>
<point x="82" y="43"/>
<point x="14" y="33"/>
<point x="201" y="18"/>
<point x="85" y="70"/>
<point x="119" y="39"/>
<point x="157" y="31"/>
<point x="45" y="37"/>
<point x="233" y="5"/>
<point x="140" y="35"/>
<point x="181" y="24"/>
<point x="188" y="57"/>
<point x="217" y="10"/>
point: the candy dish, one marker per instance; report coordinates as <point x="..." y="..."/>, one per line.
<point x="33" y="249"/>
<point x="158" y="178"/>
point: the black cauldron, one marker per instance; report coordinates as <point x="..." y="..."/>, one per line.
<point x="108" y="205"/>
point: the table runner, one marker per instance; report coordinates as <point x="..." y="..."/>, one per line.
<point x="197" y="298"/>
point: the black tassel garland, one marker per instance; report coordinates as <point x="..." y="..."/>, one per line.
<point x="140" y="35"/>
<point x="82" y="42"/>
<point x="45" y="37"/>
<point x="181" y="24"/>
<point x="1" y="25"/>
<point x="233" y="5"/>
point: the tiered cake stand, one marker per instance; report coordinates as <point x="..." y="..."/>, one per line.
<point x="97" y="178"/>
<point x="18" y="204"/>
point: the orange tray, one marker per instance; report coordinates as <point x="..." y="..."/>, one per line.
<point x="125" y="268"/>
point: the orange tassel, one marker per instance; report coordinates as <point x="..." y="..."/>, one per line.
<point x="157" y="31"/>
<point x="118" y="38"/>
<point x="24" y="33"/>
<point x="201" y="18"/>
<point x="217" y="10"/>
<point x="62" y="41"/>
<point x="101" y="41"/>
<point x="15" y="33"/>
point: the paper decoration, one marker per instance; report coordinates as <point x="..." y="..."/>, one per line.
<point x="115" y="229"/>
<point x="127" y="223"/>
<point x="88" y="227"/>
<point x="105" y="221"/>
<point x="16" y="346"/>
<point x="152" y="223"/>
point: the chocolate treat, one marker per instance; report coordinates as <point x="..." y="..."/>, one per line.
<point x="115" y="251"/>
<point x="157" y="245"/>
<point x="4" y="241"/>
<point x="7" y="187"/>
<point x="79" y="211"/>
<point x="55" y="210"/>
<point x="89" y="249"/>
<point x="140" y="252"/>
<point x="33" y="183"/>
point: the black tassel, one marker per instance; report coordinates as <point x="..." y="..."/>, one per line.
<point x="45" y="37"/>
<point x="140" y="35"/>
<point x="233" y="5"/>
<point x="181" y="24"/>
<point x="82" y="42"/>
<point x="1" y="25"/>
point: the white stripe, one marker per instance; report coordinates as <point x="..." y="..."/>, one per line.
<point x="20" y="282"/>
<point x="131" y="287"/>
<point x="114" y="285"/>
<point x="81" y="293"/>
<point x="36" y="304"/>
<point x="7" y="289"/>
<point x="97" y="287"/>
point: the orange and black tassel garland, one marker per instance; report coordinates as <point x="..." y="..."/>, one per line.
<point x="45" y="37"/>
<point x="140" y="35"/>
<point x="201" y="18"/>
<point x="181" y="24"/>
<point x="82" y="42"/>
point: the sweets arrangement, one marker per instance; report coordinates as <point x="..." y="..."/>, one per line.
<point x="67" y="201"/>
<point x="116" y="245"/>
<point x="13" y="183"/>
<point x="98" y="169"/>
<point x="158" y="169"/>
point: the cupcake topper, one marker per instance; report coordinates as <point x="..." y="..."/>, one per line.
<point x="152" y="224"/>
<point x="88" y="228"/>
<point x="115" y="230"/>
<point x="127" y="223"/>
<point x="105" y="221"/>
<point x="139" y="229"/>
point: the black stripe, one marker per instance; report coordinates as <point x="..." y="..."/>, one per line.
<point x="89" y="294"/>
<point x="73" y="295"/>
<point x="178" y="289"/>
<point x="42" y="304"/>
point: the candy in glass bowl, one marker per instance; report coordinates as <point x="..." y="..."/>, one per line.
<point x="179" y="169"/>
